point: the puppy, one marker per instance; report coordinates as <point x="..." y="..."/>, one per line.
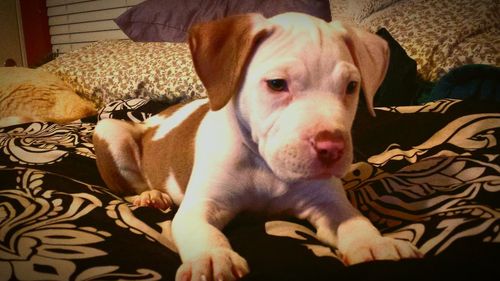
<point x="273" y="136"/>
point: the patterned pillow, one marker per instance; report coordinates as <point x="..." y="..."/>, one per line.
<point x="355" y="11"/>
<point x="441" y="35"/>
<point x="109" y="70"/>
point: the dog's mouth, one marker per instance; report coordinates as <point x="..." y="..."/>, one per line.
<point x="326" y="174"/>
<point x="315" y="174"/>
<point x="310" y="168"/>
<point x="323" y="171"/>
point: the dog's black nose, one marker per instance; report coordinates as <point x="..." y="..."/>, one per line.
<point x="329" y="146"/>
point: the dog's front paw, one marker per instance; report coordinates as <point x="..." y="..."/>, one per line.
<point x="220" y="264"/>
<point x="379" y="248"/>
<point x="153" y="198"/>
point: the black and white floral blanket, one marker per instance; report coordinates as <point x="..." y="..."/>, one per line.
<point x="428" y="174"/>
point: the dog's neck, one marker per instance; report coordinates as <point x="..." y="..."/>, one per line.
<point x="237" y="121"/>
<point x="247" y="136"/>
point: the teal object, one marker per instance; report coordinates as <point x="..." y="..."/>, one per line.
<point x="469" y="82"/>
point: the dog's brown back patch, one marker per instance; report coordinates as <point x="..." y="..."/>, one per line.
<point x="172" y="154"/>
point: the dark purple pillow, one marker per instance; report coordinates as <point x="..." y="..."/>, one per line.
<point x="169" y="20"/>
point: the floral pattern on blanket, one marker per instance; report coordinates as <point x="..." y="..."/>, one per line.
<point x="432" y="177"/>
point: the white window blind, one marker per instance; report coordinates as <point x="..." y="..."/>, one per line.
<point x="76" y="23"/>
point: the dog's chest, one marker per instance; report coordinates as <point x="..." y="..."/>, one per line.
<point x="256" y="189"/>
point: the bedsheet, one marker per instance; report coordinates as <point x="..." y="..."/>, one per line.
<point x="429" y="174"/>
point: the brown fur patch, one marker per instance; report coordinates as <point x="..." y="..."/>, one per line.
<point x="174" y="153"/>
<point x="221" y="50"/>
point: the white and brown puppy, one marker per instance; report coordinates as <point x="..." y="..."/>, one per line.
<point x="273" y="137"/>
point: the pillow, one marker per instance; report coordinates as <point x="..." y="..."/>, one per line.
<point x="442" y="35"/>
<point x="109" y="70"/>
<point x="357" y="10"/>
<point x="169" y="20"/>
<point x="36" y="95"/>
<point x="360" y="9"/>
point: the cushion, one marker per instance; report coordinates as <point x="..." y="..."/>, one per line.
<point x="169" y="20"/>
<point x="38" y="95"/>
<point x="355" y="11"/>
<point x="441" y="35"/>
<point x="109" y="70"/>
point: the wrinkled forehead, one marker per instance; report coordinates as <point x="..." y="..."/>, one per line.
<point x="298" y="38"/>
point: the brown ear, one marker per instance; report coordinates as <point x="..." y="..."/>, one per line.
<point x="371" y="55"/>
<point x="221" y="50"/>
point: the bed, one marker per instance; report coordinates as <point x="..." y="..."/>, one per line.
<point x="426" y="172"/>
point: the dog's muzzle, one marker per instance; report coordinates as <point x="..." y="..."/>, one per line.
<point x="323" y="155"/>
<point x="328" y="146"/>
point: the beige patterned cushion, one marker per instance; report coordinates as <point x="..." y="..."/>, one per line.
<point x="356" y="10"/>
<point x="108" y="70"/>
<point x="439" y="35"/>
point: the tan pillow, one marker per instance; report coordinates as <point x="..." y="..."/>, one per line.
<point x="354" y="11"/>
<point x="105" y="71"/>
<point x="442" y="35"/>
<point x="38" y="95"/>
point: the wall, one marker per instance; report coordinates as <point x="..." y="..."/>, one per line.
<point x="11" y="42"/>
<point x="76" y="23"/>
<point x="36" y="32"/>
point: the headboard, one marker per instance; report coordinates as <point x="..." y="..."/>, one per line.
<point x="76" y="23"/>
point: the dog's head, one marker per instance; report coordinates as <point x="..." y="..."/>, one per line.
<point x="294" y="82"/>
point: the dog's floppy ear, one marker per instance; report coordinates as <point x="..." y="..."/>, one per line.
<point x="221" y="50"/>
<point x="371" y="55"/>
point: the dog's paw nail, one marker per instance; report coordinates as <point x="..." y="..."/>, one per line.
<point x="239" y="274"/>
<point x="203" y="278"/>
<point x="345" y="260"/>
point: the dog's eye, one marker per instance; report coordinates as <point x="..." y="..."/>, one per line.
<point x="277" y="85"/>
<point x="351" y="87"/>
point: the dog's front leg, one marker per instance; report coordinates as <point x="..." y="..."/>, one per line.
<point x="341" y="225"/>
<point x="205" y="251"/>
